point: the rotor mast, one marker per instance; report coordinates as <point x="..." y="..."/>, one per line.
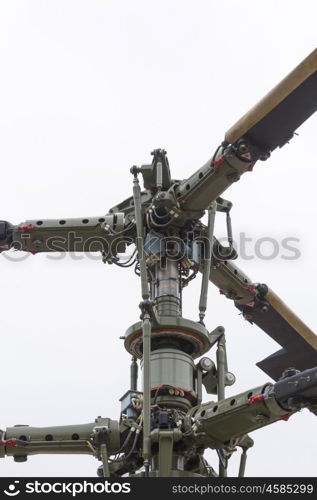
<point x="170" y="381"/>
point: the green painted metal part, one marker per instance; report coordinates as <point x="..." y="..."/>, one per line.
<point x="146" y="389"/>
<point x="209" y="182"/>
<point x="68" y="439"/>
<point x="192" y="332"/>
<point x="166" y="441"/>
<point x="87" y="234"/>
<point x="172" y="367"/>
<point x="231" y="418"/>
<point x="207" y="261"/>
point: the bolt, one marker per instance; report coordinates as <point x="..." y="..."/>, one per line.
<point x="289" y="372"/>
<point x="230" y="378"/>
<point x="243" y="148"/>
<point x="134" y="170"/>
<point x="206" y="364"/>
<point x="37" y="244"/>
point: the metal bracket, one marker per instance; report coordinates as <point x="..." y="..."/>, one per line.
<point x="245" y="443"/>
<point x="166" y="439"/>
<point x="101" y="438"/>
<point x="225" y="206"/>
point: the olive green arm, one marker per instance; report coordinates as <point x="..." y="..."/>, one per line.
<point x="22" y="441"/>
<point x="228" y="278"/>
<point x="108" y="234"/>
<point x="218" y="423"/>
<point x="197" y="192"/>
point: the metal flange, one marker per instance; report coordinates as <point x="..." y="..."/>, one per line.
<point x="186" y="335"/>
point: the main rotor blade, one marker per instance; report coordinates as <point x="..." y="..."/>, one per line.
<point x="298" y="341"/>
<point x="107" y="233"/>
<point x="273" y="120"/>
<point x="262" y="307"/>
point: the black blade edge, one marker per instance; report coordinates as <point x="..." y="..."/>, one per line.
<point x="296" y="351"/>
<point x="279" y="125"/>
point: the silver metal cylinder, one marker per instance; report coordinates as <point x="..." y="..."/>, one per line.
<point x="173" y="368"/>
<point x="167" y="288"/>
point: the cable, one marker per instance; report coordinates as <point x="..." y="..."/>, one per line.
<point x="157" y="215"/>
<point x="137" y="433"/>
<point x="137" y="268"/>
<point x="125" y="457"/>
<point x="113" y="232"/>
<point x="127" y="439"/>
<point x="215" y="154"/>
<point x="129" y="262"/>
<point x="157" y="224"/>
<point x="91" y="447"/>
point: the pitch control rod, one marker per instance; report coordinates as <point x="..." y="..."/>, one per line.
<point x="207" y="262"/>
<point x="146" y="323"/>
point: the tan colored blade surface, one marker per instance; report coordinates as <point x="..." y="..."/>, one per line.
<point x="294" y="321"/>
<point x="278" y="94"/>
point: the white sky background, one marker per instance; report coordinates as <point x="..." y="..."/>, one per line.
<point x="87" y="89"/>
